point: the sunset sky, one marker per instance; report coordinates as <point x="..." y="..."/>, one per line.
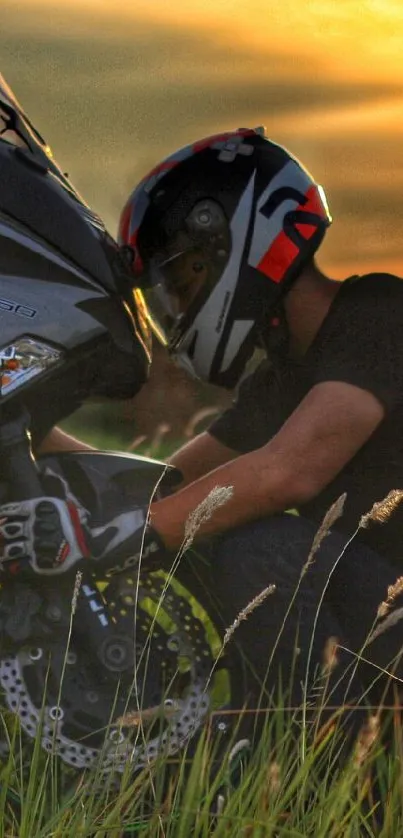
<point x="115" y="86"/>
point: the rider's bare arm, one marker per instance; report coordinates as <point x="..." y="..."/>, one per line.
<point x="199" y="456"/>
<point x="57" y="441"/>
<point x="326" y="430"/>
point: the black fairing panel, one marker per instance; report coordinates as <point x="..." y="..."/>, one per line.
<point x="108" y="483"/>
<point x="36" y="199"/>
<point x="62" y="280"/>
<point x="64" y="305"/>
<point x="101" y="353"/>
<point x="24" y="254"/>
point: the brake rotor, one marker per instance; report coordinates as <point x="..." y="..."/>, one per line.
<point x="150" y="698"/>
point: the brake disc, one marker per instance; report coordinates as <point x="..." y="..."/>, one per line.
<point x="88" y="714"/>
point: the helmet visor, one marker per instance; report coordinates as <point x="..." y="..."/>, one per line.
<point x="176" y="281"/>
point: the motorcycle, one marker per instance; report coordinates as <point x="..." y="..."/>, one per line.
<point x="76" y="665"/>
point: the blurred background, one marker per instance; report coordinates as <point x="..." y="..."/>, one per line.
<point x="115" y="87"/>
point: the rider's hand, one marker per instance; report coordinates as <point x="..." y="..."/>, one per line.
<point x="47" y="535"/>
<point x="50" y="535"/>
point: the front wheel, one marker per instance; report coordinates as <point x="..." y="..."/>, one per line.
<point x="154" y="679"/>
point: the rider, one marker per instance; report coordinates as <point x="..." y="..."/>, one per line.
<point x="221" y="237"/>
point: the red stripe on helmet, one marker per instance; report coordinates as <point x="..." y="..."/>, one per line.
<point x="162" y="167"/>
<point x="278" y="258"/>
<point x="125" y="222"/>
<point x="130" y="238"/>
<point x="283" y="251"/>
<point x="306" y="230"/>
<point x="314" y="202"/>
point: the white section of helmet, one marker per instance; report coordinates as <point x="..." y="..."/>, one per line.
<point x="240" y="330"/>
<point x="204" y="335"/>
<point x="266" y="229"/>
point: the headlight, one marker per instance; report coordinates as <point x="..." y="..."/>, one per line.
<point x="23" y="360"/>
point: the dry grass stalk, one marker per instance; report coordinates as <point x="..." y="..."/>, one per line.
<point x="134" y="718"/>
<point x="330" y="655"/>
<point x="203" y="413"/>
<point x="245" y="613"/>
<point x="393" y="592"/>
<point x="366" y="739"/>
<point x="160" y="432"/>
<point x="389" y="621"/>
<point x="203" y="512"/>
<point x="273" y="778"/>
<point x="383" y="509"/>
<point x="332" y="514"/>
<point x="325" y="731"/>
<point x="272" y="786"/>
<point x="168" y="802"/>
<point x="220" y="805"/>
<point x="136" y="442"/>
<point x="76" y="591"/>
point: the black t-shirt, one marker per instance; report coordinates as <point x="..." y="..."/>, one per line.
<point x="360" y="342"/>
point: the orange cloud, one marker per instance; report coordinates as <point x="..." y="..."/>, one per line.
<point x="115" y="88"/>
<point x="360" y="37"/>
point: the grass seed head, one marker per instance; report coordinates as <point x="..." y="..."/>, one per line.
<point x="383" y="509"/>
<point x="204" y="511"/>
<point x="393" y="592"/>
<point x="76" y="591"/>
<point x="331" y="516"/>
<point x="366" y="739"/>
<point x="330" y="654"/>
<point x="245" y="613"/>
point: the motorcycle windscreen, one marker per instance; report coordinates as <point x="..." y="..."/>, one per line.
<point x="49" y="206"/>
<point x="17" y="129"/>
<point x="8" y="131"/>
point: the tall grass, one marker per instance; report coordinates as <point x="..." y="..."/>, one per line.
<point x="275" y="793"/>
<point x="297" y="780"/>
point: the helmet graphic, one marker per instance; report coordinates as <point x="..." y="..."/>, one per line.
<point x="217" y="233"/>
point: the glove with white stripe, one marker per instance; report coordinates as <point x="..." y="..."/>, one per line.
<point x="51" y="535"/>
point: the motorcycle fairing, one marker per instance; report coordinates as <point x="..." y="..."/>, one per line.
<point x="108" y="483"/>
<point x="59" y="265"/>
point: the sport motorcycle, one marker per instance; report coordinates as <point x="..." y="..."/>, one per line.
<point x="105" y="671"/>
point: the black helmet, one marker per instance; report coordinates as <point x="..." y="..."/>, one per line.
<point x="217" y="233"/>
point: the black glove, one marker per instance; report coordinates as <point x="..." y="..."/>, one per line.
<point x="51" y="535"/>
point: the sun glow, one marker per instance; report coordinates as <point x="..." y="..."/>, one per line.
<point x="123" y="85"/>
<point x="343" y="35"/>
